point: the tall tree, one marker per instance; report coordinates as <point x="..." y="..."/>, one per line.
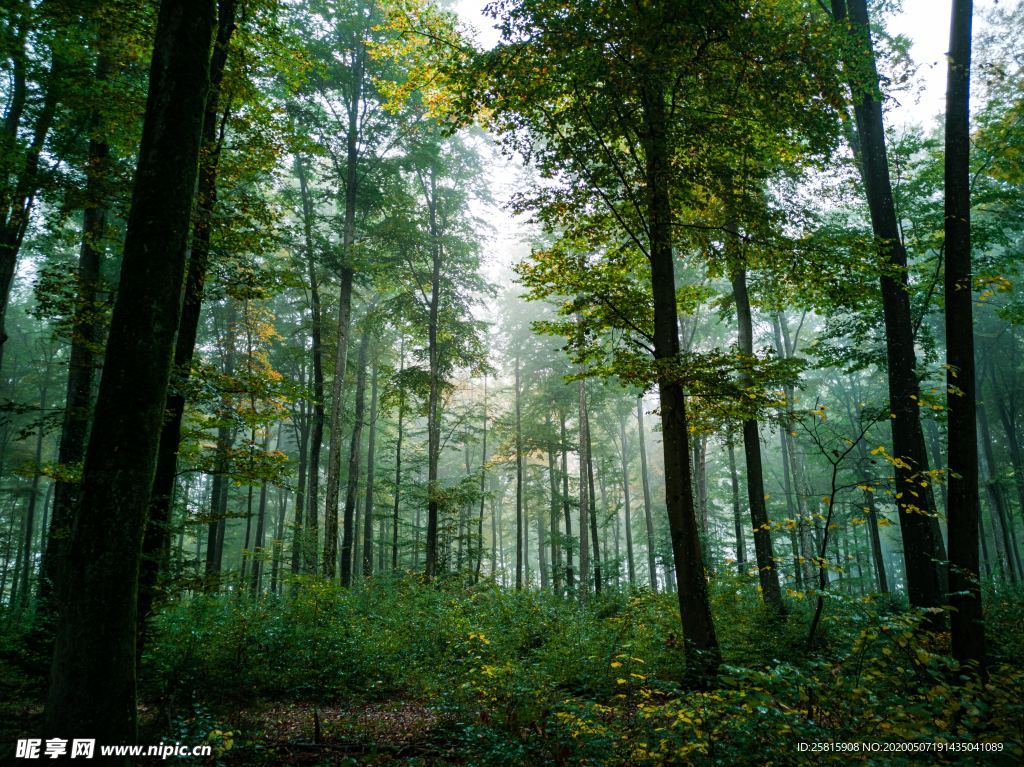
<point x="922" y="542"/>
<point x="92" y="683"/>
<point x="966" y="620"/>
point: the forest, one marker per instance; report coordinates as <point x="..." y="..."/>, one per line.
<point x="553" y="382"/>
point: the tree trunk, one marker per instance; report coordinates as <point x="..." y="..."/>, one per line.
<point x="371" y="449"/>
<point x="652" y="569"/>
<point x="434" y="395"/>
<point x="966" y="619"/>
<point x="556" y="550"/>
<point x="398" y="457"/>
<point x="741" y="556"/>
<point x="519" y="481"/>
<point x="922" y="543"/>
<point x="348" y="530"/>
<point x="584" y="454"/>
<point x="483" y="481"/>
<point x="630" y="564"/>
<point x="595" y="543"/>
<point x="92" y="684"/>
<point x="33" y="497"/>
<point x="156" y="541"/>
<point x="998" y="499"/>
<point x="570" y="577"/>
<point x="82" y="361"/>
<point x="767" y="569"/>
<point x="307" y="530"/>
<point x="701" y="644"/>
<point x="346" y="282"/>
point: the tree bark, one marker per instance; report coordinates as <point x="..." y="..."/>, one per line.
<point x="348" y="529"/>
<point x="700" y="641"/>
<point x="346" y="282"/>
<point x="309" y="524"/>
<point x="156" y="540"/>
<point x="652" y="569"/>
<point x="519" y="480"/>
<point x="922" y="542"/>
<point x="92" y="683"/>
<point x="966" y="619"/>
<point x="371" y="448"/>
<point x="630" y="564"/>
<point x="767" y="568"/>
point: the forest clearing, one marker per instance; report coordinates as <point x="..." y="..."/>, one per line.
<point x="535" y="382"/>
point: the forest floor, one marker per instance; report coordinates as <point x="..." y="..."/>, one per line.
<point x="395" y="672"/>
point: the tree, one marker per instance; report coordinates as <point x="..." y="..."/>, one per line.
<point x="966" y="620"/>
<point x="92" y="686"/>
<point x="921" y="539"/>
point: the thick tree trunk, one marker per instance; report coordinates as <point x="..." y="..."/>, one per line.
<point x="156" y="541"/>
<point x="922" y="543"/>
<point x="92" y="684"/>
<point x="703" y="657"/>
<point x="652" y="570"/>
<point x="966" y="619"/>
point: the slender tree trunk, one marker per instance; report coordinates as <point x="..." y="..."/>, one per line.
<point x="767" y="568"/>
<point x="585" y="473"/>
<point x="630" y="564"/>
<point x="652" y="569"/>
<point x="434" y="395"/>
<point x="277" y="561"/>
<point x="519" y="481"/>
<point x="483" y="484"/>
<point x="922" y="549"/>
<point x="17" y="199"/>
<point x="556" y="550"/>
<point x="82" y="362"/>
<point x="741" y="555"/>
<point x="301" y="421"/>
<point x="307" y="530"/>
<point x="585" y="445"/>
<point x="995" y="493"/>
<point x="33" y="497"/>
<point x="347" y="277"/>
<point x="92" y="683"/>
<point x="371" y="449"/>
<point x="398" y="457"/>
<point x="570" y="577"/>
<point x="348" y="530"/>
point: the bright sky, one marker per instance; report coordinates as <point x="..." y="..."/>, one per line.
<point x="924" y="22"/>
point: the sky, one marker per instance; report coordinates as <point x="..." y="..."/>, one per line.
<point x="924" y="22"/>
